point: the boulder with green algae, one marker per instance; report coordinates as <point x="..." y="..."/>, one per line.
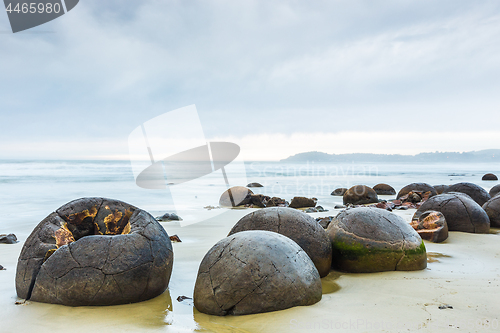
<point x="95" y="251"/>
<point x="367" y="239"/>
<point x="253" y="272"/>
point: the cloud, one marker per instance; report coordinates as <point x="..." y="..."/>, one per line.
<point x="254" y="68"/>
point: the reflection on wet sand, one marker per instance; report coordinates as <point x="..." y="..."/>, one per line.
<point x="432" y="256"/>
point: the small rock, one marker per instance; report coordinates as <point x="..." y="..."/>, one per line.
<point x="259" y="200"/>
<point x="276" y="202"/>
<point x="182" y="298"/>
<point x="8" y="239"/>
<point x="489" y="176"/>
<point x="168" y="217"/>
<point x="339" y="207"/>
<point x="321" y="209"/>
<point x="311" y="210"/>
<point x="402" y="208"/>
<point x="324" y="221"/>
<point x="1" y="268"/>
<point x="175" y="239"/>
<point x="445" y="306"/>
<point x="255" y="185"/>
<point x="211" y="207"/>
<point x="302" y="202"/>
<point x="339" y="192"/>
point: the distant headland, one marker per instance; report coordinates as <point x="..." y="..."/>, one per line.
<point x="481" y="156"/>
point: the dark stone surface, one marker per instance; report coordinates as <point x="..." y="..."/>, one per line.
<point x="169" y="217"/>
<point x="369" y="239"/>
<point x="95" y="251"/>
<point x="489" y="176"/>
<point x="302" y="202"/>
<point x="431" y="226"/>
<point x="300" y="227"/>
<point x="384" y="189"/>
<point x="254" y="272"/>
<point x="440" y="188"/>
<point x="360" y="195"/>
<point x="495" y="190"/>
<point x="420" y="187"/>
<point x="8" y="239"/>
<point x="276" y="202"/>
<point x="492" y="208"/>
<point x="255" y="185"/>
<point x="339" y="191"/>
<point x="460" y="211"/>
<point x="235" y="196"/>
<point x="477" y="193"/>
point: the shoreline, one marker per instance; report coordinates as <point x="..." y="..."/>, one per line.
<point x="462" y="272"/>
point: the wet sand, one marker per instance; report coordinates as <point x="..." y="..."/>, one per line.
<point x="463" y="272"/>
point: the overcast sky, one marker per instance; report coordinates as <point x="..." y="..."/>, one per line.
<point x="276" y="77"/>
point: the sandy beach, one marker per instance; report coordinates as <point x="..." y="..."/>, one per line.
<point x="463" y="272"/>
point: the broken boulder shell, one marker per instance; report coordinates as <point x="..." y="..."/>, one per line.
<point x="460" y="211"/>
<point x="298" y="226"/>
<point x="431" y="226"/>
<point x="95" y="251"/>
<point x="477" y="193"/>
<point x="253" y="272"/>
<point x="368" y="239"/>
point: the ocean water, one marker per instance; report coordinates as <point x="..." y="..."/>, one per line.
<point x="30" y="190"/>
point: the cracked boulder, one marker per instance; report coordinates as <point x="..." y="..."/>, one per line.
<point x="368" y="239"/>
<point x="253" y="272"/>
<point x="296" y="225"/>
<point x="419" y="187"/>
<point x="477" y="193"/>
<point x="492" y="208"/>
<point x="384" y="189"/>
<point x="95" y="251"/>
<point x="431" y="226"/>
<point x="460" y="211"/>
<point x="235" y="196"/>
<point x="360" y="195"/>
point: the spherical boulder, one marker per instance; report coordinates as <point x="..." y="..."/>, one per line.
<point x="477" y="193"/>
<point x="440" y="188"/>
<point x="95" y="251"/>
<point x="360" y="195"/>
<point x="296" y="225"/>
<point x="384" y="189"/>
<point x="420" y="187"/>
<point x="495" y="190"/>
<point x="489" y="176"/>
<point x="339" y="191"/>
<point x="368" y="239"/>
<point x="460" y="211"/>
<point x="253" y="272"/>
<point x="492" y="208"/>
<point x="235" y="196"/>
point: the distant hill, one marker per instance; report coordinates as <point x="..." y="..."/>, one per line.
<point x="481" y="156"/>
